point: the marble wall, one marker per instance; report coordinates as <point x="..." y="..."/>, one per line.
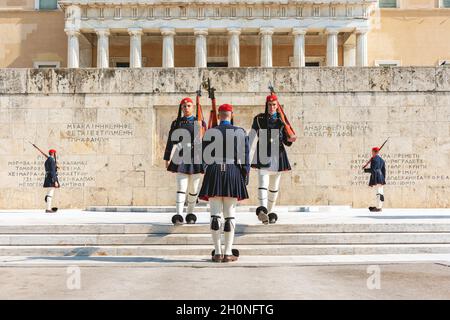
<point x="110" y="126"/>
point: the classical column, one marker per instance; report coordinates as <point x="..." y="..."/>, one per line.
<point x="73" y="48"/>
<point x="168" y="47"/>
<point x="266" y="47"/>
<point x="135" y="47"/>
<point x="332" y="47"/>
<point x="102" y="48"/>
<point x="299" y="46"/>
<point x="361" y="47"/>
<point x="201" y="47"/>
<point x="349" y="55"/>
<point x="234" y="48"/>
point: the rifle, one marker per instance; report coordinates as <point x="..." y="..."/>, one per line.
<point x="287" y="125"/>
<point x="44" y="154"/>
<point x="199" y="111"/>
<point x="213" y="119"/>
<point x="367" y="163"/>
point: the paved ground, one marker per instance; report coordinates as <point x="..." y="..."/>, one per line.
<point x="416" y="276"/>
<point x="418" y="281"/>
<point x="76" y="216"/>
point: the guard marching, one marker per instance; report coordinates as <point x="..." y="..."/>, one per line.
<point x="224" y="184"/>
<point x="270" y="156"/>
<point x="188" y="168"/>
<point x="51" y="181"/>
<point x="377" y="179"/>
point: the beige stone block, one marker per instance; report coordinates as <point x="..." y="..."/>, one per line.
<point x="5" y="116"/>
<point x="24" y="131"/>
<point x="120" y="162"/>
<point x="340" y="196"/>
<point x="11" y="198"/>
<point x="120" y="196"/>
<point x="95" y="197"/>
<point x="442" y="78"/>
<point x="303" y="145"/>
<point x="84" y="115"/>
<point x="258" y="79"/>
<point x="398" y="145"/>
<point x="332" y="178"/>
<point x="322" y="114"/>
<point x="310" y="79"/>
<point x="144" y="196"/>
<point x="134" y="146"/>
<point x="327" y="145"/>
<point x="163" y="80"/>
<point x="6" y="131"/>
<point x="11" y="146"/>
<point x="57" y="115"/>
<point x="351" y="145"/>
<point x="437" y="196"/>
<point x="363" y="114"/>
<point x="13" y="81"/>
<point x="132" y="178"/>
<point x="69" y="198"/>
<point x="286" y="80"/>
<point x="332" y="79"/>
<point x="413" y="79"/>
<point x="442" y="113"/>
<point x="188" y="80"/>
<point x="96" y="80"/>
<point x="309" y="161"/>
<point x="303" y="177"/>
<point x="135" y="115"/>
<point x="109" y="116"/>
<point x="136" y="80"/>
<point x="412" y="113"/>
<point x="8" y="179"/>
<point x="142" y="100"/>
<point x="380" y="79"/>
<point x="339" y="161"/>
<point x="356" y="79"/>
<point x="422" y="99"/>
<point x="107" y="179"/>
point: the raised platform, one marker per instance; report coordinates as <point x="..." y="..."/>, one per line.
<point x="341" y="235"/>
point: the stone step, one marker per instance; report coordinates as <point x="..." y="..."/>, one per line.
<point x="203" y="207"/>
<point x="164" y="228"/>
<point x="205" y="250"/>
<point x="205" y="239"/>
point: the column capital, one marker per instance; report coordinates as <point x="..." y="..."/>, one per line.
<point x="72" y="32"/>
<point x="234" y="31"/>
<point x="332" y="31"/>
<point x="266" y="31"/>
<point x="299" y="31"/>
<point x="102" y="32"/>
<point x="168" y="31"/>
<point x="361" y="30"/>
<point x="201" y="31"/>
<point x="135" y="31"/>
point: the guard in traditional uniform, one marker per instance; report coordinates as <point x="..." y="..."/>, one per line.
<point x="377" y="172"/>
<point x="270" y="169"/>
<point x="51" y="181"/>
<point x="225" y="181"/>
<point x="188" y="175"/>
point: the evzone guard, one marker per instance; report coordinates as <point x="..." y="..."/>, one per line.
<point x="273" y="131"/>
<point x="51" y="181"/>
<point x="188" y="173"/>
<point x="225" y="180"/>
<point x="377" y="179"/>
